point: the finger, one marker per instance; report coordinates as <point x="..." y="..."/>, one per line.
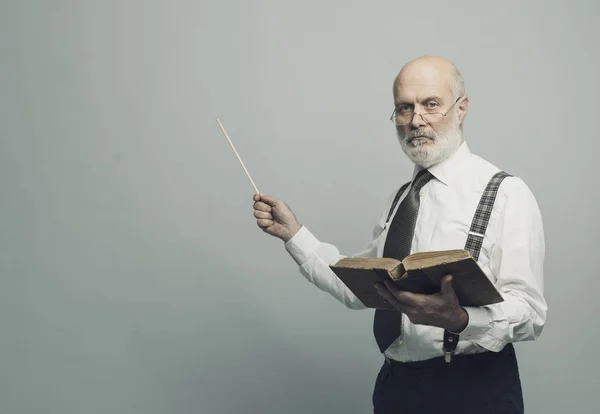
<point x="259" y="205"/>
<point x="391" y="286"/>
<point x="264" y="223"/>
<point x="263" y="215"/>
<point x="272" y="201"/>
<point x="446" y="285"/>
<point x="405" y="299"/>
<point x="387" y="295"/>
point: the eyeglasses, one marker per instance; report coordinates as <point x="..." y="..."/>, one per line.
<point x="405" y="117"/>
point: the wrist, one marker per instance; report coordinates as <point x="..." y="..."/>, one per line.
<point x="460" y="322"/>
<point x="291" y="232"/>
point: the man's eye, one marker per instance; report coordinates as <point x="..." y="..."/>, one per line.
<point x="403" y="109"/>
<point x="432" y="105"/>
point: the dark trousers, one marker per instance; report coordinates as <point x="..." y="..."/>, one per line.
<point x="486" y="383"/>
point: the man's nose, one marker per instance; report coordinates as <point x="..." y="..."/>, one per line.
<point x="417" y="120"/>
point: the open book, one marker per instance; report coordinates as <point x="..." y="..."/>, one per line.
<point x="418" y="273"/>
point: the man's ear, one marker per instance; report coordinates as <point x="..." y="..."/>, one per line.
<point x="463" y="108"/>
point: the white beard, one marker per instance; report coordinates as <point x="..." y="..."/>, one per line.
<point x="432" y="150"/>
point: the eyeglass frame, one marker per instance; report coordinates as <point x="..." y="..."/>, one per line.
<point x="429" y="113"/>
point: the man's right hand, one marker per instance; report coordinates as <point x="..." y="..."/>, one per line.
<point x="274" y="217"/>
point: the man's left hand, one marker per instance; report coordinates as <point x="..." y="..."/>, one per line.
<point x="441" y="309"/>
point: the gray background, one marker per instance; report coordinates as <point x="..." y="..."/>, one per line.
<point x="133" y="276"/>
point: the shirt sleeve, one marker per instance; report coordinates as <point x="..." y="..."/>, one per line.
<point x="314" y="258"/>
<point x="517" y="262"/>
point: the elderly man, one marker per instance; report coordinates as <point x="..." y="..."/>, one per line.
<point x="455" y="200"/>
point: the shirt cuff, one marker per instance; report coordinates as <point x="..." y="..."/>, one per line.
<point x="302" y="245"/>
<point x="479" y="323"/>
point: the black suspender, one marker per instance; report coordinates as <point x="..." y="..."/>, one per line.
<point x="475" y="240"/>
<point x="482" y="215"/>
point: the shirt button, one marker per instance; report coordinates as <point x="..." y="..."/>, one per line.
<point x="400" y="341"/>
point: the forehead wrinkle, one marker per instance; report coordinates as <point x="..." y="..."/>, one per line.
<point x="419" y="94"/>
<point x="422" y="94"/>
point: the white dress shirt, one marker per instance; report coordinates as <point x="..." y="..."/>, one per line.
<point x="512" y="256"/>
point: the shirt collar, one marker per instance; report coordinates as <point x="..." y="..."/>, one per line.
<point x="449" y="170"/>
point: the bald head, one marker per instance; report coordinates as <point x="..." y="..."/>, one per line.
<point x="431" y="71"/>
<point x="428" y="112"/>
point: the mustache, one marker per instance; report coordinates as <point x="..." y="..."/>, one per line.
<point x="421" y="134"/>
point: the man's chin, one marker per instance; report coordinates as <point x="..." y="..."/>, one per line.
<point x="426" y="152"/>
<point x="419" y="155"/>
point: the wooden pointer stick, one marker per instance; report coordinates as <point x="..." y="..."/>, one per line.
<point x="238" y="157"/>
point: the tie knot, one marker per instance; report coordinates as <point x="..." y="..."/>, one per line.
<point x="421" y="179"/>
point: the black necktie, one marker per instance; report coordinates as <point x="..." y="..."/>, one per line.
<point x="387" y="325"/>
